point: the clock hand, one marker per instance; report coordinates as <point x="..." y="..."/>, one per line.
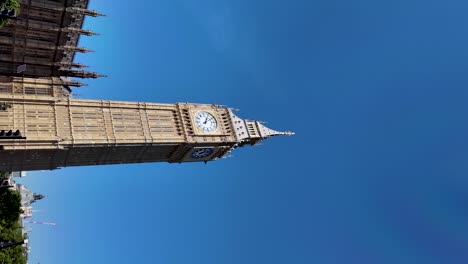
<point x="206" y="120"/>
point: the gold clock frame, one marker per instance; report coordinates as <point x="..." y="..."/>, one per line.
<point x="198" y="131"/>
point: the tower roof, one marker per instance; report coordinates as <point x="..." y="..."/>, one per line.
<point x="266" y="132"/>
<point x="252" y="132"/>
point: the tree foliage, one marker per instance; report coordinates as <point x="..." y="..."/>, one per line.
<point x="13" y="255"/>
<point x="11" y="5"/>
<point x="10" y="229"/>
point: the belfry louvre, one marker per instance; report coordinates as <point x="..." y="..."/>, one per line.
<point x="42" y="127"/>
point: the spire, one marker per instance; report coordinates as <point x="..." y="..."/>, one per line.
<point x="252" y="132"/>
<point x="70" y="64"/>
<point x="73" y="48"/>
<point x="80" y="31"/>
<point x="81" y="74"/>
<point x="88" y="12"/>
<point x="266" y="132"/>
<point x="37" y="197"/>
<point x="74" y="83"/>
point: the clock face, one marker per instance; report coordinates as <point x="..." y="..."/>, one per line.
<point x="206" y="121"/>
<point x="201" y="153"/>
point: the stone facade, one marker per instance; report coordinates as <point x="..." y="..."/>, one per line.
<point x="44" y="37"/>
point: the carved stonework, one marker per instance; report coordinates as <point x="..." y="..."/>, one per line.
<point x="45" y="37"/>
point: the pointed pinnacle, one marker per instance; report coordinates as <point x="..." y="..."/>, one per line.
<point x="78" y="65"/>
<point x="268" y="132"/>
<point x="79" y="49"/>
<point x="82" y="74"/>
<point x="92" y="13"/>
<point x="80" y="31"/>
<point x="75" y="83"/>
<point x="88" y="12"/>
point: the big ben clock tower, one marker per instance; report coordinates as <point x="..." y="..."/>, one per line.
<point x="42" y="127"/>
<point x="44" y="132"/>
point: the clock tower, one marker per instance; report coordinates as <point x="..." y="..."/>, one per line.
<point x="42" y="127"/>
<point x="40" y="132"/>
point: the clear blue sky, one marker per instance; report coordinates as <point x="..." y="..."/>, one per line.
<point x="377" y="173"/>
